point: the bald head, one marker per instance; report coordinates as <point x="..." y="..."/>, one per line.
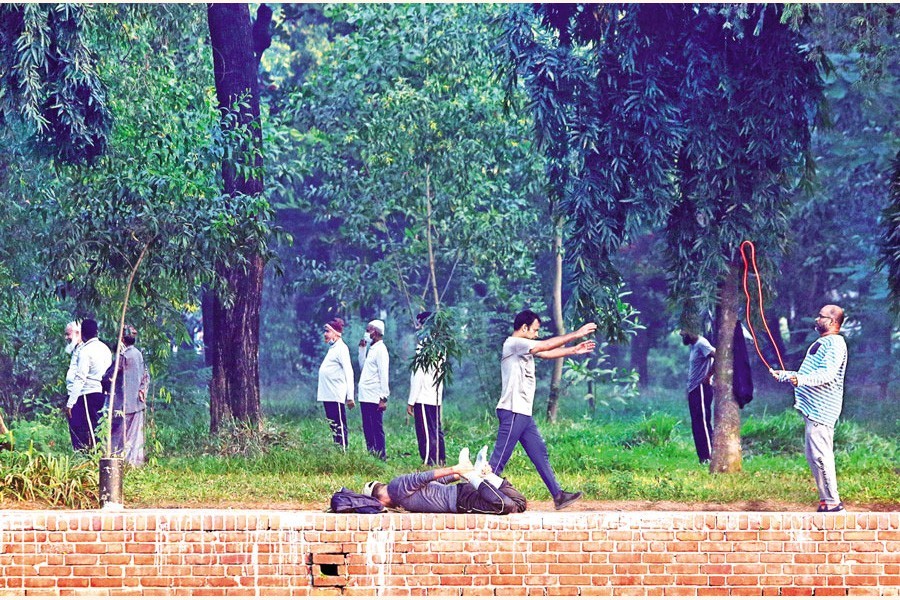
<point x="835" y="312"/>
<point x="829" y="319"/>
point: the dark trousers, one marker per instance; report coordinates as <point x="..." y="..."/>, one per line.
<point x="489" y="500"/>
<point x="85" y="420"/>
<point x="336" y="413"/>
<point x="515" y="428"/>
<point x="430" y="434"/>
<point x="700" y="403"/>
<point x="373" y="428"/>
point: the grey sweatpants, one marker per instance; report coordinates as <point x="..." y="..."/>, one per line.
<point x="820" y="456"/>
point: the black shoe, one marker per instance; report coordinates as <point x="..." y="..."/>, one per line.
<point x="564" y="499"/>
<point x="824" y="507"/>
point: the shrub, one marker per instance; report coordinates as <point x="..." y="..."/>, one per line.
<point x="56" y="480"/>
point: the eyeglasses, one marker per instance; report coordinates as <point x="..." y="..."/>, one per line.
<point x="823" y="317"/>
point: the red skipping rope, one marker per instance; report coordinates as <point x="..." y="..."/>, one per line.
<point x="762" y="314"/>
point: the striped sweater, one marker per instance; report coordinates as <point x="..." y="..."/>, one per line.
<point x="819" y="394"/>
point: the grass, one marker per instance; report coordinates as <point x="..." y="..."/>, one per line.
<point x="639" y="451"/>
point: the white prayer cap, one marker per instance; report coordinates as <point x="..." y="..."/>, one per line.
<point x="378" y="325"/>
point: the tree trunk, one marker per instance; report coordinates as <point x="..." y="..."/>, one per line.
<point x="640" y="348"/>
<point x="558" y="324"/>
<point x="232" y="337"/>
<point x="726" y="450"/>
<point x="432" y="269"/>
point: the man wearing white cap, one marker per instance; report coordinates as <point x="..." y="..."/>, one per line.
<point x="374" y="388"/>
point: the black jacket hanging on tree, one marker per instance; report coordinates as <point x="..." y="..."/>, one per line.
<point x="742" y="383"/>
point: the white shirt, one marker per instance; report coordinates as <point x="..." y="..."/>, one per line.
<point x="73" y="363"/>
<point x="336" y="374"/>
<point x="517" y="373"/>
<point x="422" y="389"/>
<point x="94" y="358"/>
<point x="373" y="380"/>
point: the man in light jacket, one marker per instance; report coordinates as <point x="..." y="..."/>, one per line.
<point x="335" y="390"/>
<point x="130" y="401"/>
<point x="86" y="394"/>
<point x="374" y="388"/>
<point x="425" y="404"/>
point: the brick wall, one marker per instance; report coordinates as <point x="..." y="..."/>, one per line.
<point x="217" y="552"/>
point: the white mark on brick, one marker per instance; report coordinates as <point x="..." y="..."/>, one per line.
<point x="379" y="553"/>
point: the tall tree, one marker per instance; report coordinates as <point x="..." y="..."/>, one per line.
<point x="419" y="184"/>
<point x="667" y="114"/>
<point x="231" y="323"/>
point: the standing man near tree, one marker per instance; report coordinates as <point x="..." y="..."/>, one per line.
<point x="514" y="411"/>
<point x="819" y="397"/>
<point x="130" y="401"/>
<point x="86" y="395"/>
<point x="336" y="382"/>
<point x="425" y="404"/>
<point x="374" y="388"/>
<point x="73" y="345"/>
<point x="700" y="390"/>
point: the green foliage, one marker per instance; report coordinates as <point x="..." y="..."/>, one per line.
<point x="438" y="345"/>
<point x="645" y="124"/>
<point x="890" y="241"/>
<point x="655" y="430"/>
<point x="51" y="479"/>
<point x="405" y="152"/>
<point x="48" y="79"/>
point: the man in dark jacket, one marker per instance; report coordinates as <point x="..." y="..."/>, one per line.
<point x="433" y="492"/>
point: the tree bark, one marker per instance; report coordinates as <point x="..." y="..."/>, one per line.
<point x="640" y="349"/>
<point x="231" y="332"/>
<point x="558" y="323"/>
<point x="432" y="268"/>
<point x="726" y="450"/>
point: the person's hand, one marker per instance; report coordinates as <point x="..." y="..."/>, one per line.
<point x="587" y="329"/>
<point x="409" y="409"/>
<point x="142" y="396"/>
<point x="68" y="412"/>
<point x="585" y="347"/>
<point x="793" y="380"/>
<point x="382" y="405"/>
<point x="350" y="403"/>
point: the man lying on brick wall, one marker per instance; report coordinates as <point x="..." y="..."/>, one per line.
<point x="432" y="492"/>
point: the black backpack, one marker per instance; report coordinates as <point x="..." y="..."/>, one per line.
<point x="347" y="501"/>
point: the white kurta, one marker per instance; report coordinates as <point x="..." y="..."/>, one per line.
<point x="373" y="381"/>
<point x="336" y="374"/>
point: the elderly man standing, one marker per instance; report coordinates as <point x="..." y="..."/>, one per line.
<point x="374" y="388"/>
<point x="130" y="401"/>
<point x="819" y="397"/>
<point x="73" y="344"/>
<point x="335" y="390"/>
<point x="86" y="394"/>
<point x="425" y="400"/>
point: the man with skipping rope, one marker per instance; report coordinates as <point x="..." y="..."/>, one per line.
<point x="819" y="397"/>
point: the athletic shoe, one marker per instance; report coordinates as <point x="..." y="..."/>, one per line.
<point x="464" y="461"/>
<point x="824" y="507"/>
<point x="480" y="460"/>
<point x="564" y="499"/>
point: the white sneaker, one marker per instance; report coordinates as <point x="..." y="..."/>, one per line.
<point x="464" y="461"/>
<point x="480" y="460"/>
